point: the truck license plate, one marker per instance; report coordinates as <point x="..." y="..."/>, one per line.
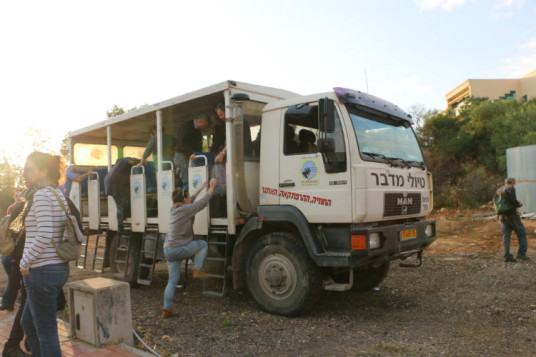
<point x="408" y="234"/>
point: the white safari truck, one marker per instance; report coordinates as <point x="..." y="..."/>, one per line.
<point x="323" y="193"/>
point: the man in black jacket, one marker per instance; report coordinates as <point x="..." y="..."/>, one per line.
<point x="189" y="140"/>
<point x="510" y="221"/>
<point x="117" y="184"/>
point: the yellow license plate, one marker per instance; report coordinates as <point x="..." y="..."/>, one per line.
<point x="408" y="234"/>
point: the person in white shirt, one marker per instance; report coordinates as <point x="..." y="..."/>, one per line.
<point x="43" y="272"/>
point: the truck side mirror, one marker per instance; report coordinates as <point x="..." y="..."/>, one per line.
<point x="326" y="115"/>
<point x="326" y="145"/>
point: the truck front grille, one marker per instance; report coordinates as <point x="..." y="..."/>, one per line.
<point x="401" y="204"/>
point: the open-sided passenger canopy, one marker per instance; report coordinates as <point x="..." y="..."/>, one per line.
<point x="132" y="128"/>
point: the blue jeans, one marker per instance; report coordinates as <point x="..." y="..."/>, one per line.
<point x="511" y="223"/>
<point x="43" y="285"/>
<point x="182" y="162"/>
<point x="13" y="282"/>
<point x="174" y="256"/>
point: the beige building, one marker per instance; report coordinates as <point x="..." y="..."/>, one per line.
<point x="521" y="89"/>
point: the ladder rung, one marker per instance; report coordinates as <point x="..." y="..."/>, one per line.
<point x="144" y="281"/>
<point x="218" y="232"/>
<point x="213" y="293"/>
<point x="216" y="243"/>
<point x="216" y="276"/>
<point x="215" y="259"/>
<point x="150" y="238"/>
<point x="98" y="258"/>
<point x="120" y="249"/>
<point x="121" y="261"/>
<point x="146" y="265"/>
<point x="147" y="252"/>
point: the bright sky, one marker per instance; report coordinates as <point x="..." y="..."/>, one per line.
<point x="63" y="64"/>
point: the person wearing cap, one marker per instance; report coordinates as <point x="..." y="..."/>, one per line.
<point x="511" y="221"/>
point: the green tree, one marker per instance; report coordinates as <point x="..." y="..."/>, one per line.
<point x="115" y="111"/>
<point x="8" y="180"/>
<point x="469" y="148"/>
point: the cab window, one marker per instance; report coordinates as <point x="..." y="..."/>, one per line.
<point x="301" y="137"/>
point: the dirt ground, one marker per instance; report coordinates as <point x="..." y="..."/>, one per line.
<point x="463" y="301"/>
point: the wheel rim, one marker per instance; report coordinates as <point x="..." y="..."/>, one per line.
<point x="277" y="276"/>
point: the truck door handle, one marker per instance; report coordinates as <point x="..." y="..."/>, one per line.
<point x="286" y="184"/>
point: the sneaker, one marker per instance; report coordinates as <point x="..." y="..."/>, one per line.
<point x="168" y="313"/>
<point x="522" y="257"/>
<point x="509" y="259"/>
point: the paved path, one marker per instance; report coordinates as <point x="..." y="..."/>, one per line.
<point x="71" y="348"/>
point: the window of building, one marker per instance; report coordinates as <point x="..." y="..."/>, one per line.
<point x="509" y="96"/>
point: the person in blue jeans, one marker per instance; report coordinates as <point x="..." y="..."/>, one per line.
<point x="43" y="272"/>
<point x="179" y="243"/>
<point x="510" y="221"/>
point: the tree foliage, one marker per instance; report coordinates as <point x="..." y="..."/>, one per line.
<point x="472" y="144"/>
<point x="9" y="178"/>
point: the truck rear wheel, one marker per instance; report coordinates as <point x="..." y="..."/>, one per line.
<point x="280" y="275"/>
<point x="118" y="268"/>
<point x="369" y="278"/>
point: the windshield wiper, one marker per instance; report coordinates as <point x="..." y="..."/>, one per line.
<point x="401" y="159"/>
<point x="381" y="156"/>
<point x="420" y="164"/>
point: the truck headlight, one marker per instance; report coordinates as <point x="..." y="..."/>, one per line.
<point x="429" y="230"/>
<point x="374" y="240"/>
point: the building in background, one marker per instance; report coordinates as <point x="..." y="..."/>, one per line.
<point x="521" y="89"/>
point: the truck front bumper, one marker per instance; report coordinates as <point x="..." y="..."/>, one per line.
<point x="395" y="242"/>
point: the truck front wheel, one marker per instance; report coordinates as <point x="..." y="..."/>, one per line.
<point x="280" y="275"/>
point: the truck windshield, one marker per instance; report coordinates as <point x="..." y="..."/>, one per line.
<point x="386" y="140"/>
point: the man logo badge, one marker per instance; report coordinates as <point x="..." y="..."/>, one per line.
<point x="404" y="202"/>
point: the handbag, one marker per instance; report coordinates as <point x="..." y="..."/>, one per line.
<point x="7" y="244"/>
<point x="71" y="242"/>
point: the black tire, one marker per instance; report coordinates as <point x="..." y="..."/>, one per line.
<point x="118" y="269"/>
<point x="369" y="278"/>
<point x="280" y="275"/>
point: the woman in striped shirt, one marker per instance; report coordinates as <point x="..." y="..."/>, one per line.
<point x="43" y="272"/>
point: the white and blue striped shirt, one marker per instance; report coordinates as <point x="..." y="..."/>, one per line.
<point x="45" y="221"/>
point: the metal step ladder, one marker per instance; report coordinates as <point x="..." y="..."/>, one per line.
<point x="151" y="235"/>
<point x="218" y="237"/>
<point x="82" y="258"/>
<point x="124" y="235"/>
<point x="101" y="233"/>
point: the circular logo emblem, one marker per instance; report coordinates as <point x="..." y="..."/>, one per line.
<point x="137" y="188"/>
<point x="165" y="184"/>
<point x="196" y="181"/>
<point x="308" y="170"/>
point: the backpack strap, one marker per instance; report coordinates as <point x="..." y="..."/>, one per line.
<point x="67" y="220"/>
<point x="60" y="201"/>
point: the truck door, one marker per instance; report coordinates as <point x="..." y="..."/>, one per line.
<point x="316" y="183"/>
